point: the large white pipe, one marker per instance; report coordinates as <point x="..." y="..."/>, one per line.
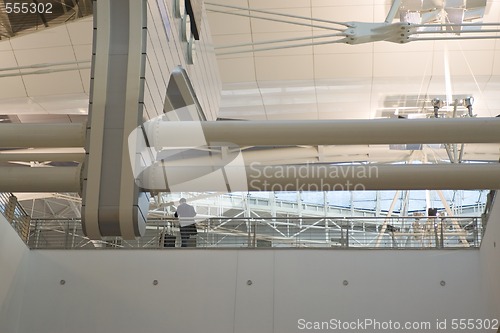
<point x="266" y="133"/>
<point x="328" y="132"/>
<point x="276" y="178"/>
<point x="319" y="177"/>
<point x="300" y="155"/>
<point x="74" y="154"/>
<point x="42" y="157"/>
<point x="393" y="11"/>
<point x="384" y="177"/>
<point x="40" y="179"/>
<point x="24" y="135"/>
<point x="360" y="153"/>
<point x="334" y="154"/>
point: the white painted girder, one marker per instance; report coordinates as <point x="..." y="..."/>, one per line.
<point x="30" y="135"/>
<point x="314" y="177"/>
<point x="329" y="132"/>
<point x="280" y="178"/>
<point x="40" y="179"/>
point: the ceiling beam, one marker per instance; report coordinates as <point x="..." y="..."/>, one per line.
<point x="327" y="132"/>
<point x="31" y="135"/>
<point x="320" y="177"/>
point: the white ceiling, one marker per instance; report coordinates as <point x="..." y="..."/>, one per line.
<point x="60" y="86"/>
<point x="336" y="81"/>
<point x="314" y="82"/>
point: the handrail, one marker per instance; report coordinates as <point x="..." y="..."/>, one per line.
<point x="490" y="201"/>
<point x="401" y="232"/>
<point x="15" y="214"/>
<point x="408" y="232"/>
<point x="254" y="232"/>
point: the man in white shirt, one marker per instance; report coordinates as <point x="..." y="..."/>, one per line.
<point x="186" y="214"/>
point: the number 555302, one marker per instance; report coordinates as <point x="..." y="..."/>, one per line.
<point x="28" y="7"/>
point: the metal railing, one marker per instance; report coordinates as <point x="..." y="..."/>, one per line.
<point x="15" y="215"/>
<point x="410" y="232"/>
<point x="328" y="232"/>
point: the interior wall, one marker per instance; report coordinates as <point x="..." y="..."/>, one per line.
<point x="490" y="260"/>
<point x="165" y="50"/>
<point x="13" y="269"/>
<point x="245" y="290"/>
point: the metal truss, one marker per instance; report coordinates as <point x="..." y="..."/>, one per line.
<point x="409" y="29"/>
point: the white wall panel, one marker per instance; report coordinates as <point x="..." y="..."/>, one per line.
<point x="114" y="291"/>
<point x="330" y="66"/>
<point x="154" y="88"/>
<point x="254" y="302"/>
<point x="79" y="31"/>
<point x="465" y="63"/>
<point x="208" y="290"/>
<point x="150" y="109"/>
<point x="269" y="69"/>
<point x="11" y="87"/>
<point x="239" y="24"/>
<point x="263" y="26"/>
<point x="357" y="13"/>
<point x="13" y="273"/>
<point x="164" y="53"/>
<point x="51" y="55"/>
<point x="326" y="3"/>
<point x="69" y="82"/>
<point x="47" y="38"/>
<point x="414" y="64"/>
<point x="236" y="69"/>
<point x="206" y="73"/>
<point x="240" y="290"/>
<point x="277" y="4"/>
<point x="382" y="285"/>
<point x="490" y="261"/>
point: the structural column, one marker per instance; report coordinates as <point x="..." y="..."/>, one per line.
<point x="112" y="203"/>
